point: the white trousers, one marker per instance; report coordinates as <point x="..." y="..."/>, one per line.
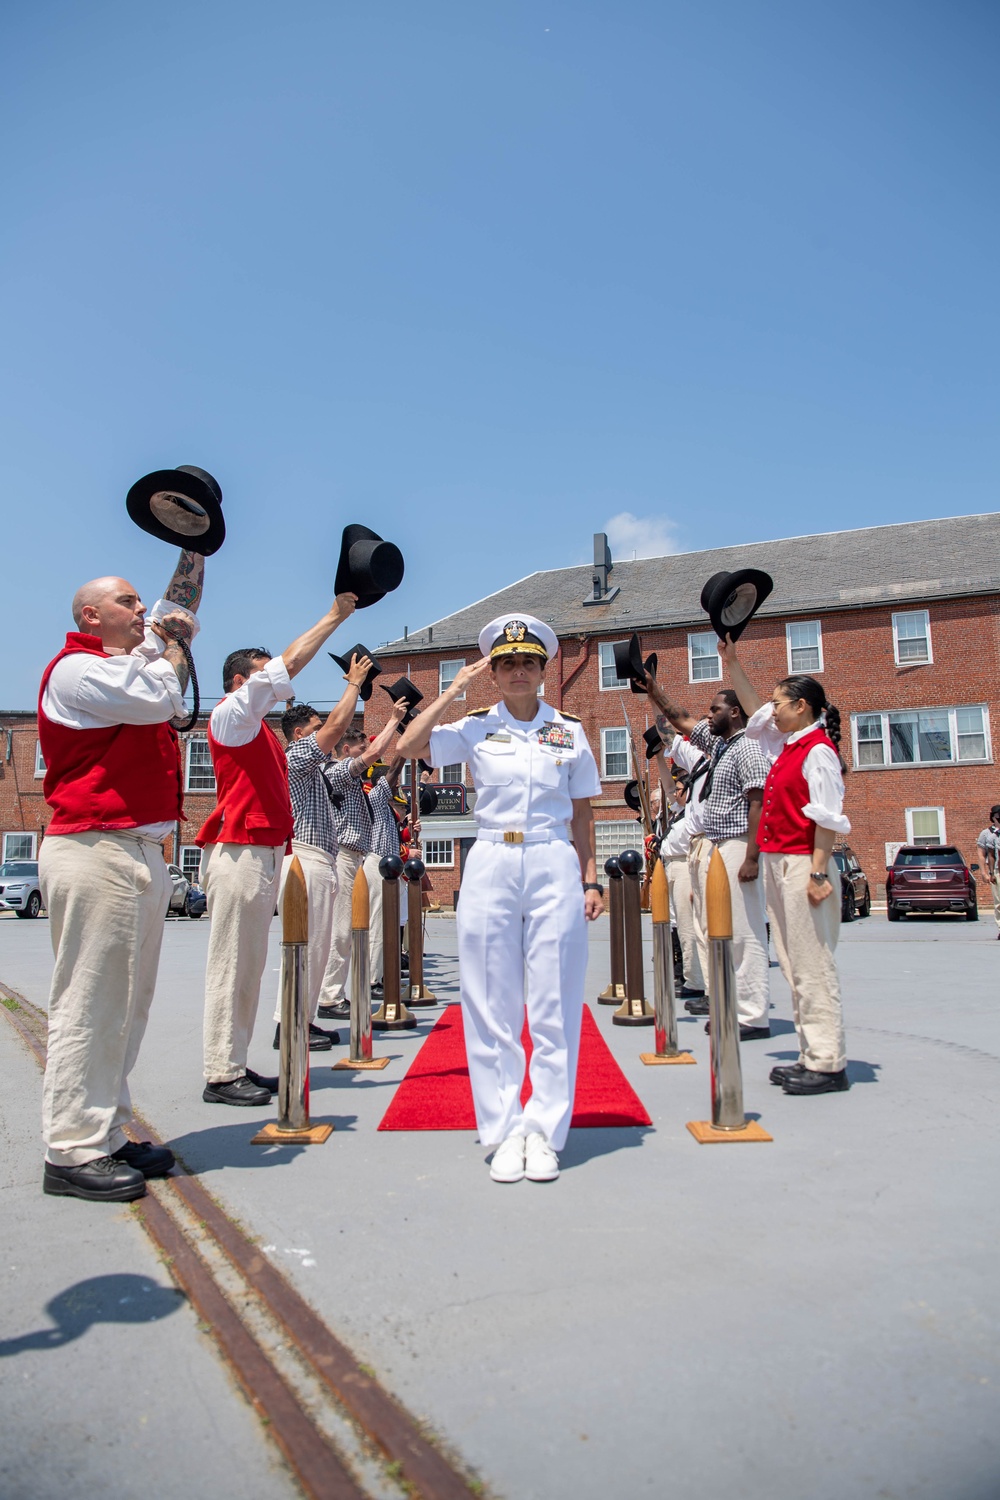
<point x="805" y="937"/>
<point x="682" y="911"/>
<point x="241" y="886"/>
<point x="995" y="889"/>
<point x="106" y="895"/>
<point x="698" y="857"/>
<point x="750" y="960"/>
<point x="333" y="987"/>
<point x="375" y="946"/>
<point x="522" y="942"/>
<point x="320" y="871"/>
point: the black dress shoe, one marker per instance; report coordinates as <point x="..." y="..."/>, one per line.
<point x="788" y="1070"/>
<point x="263" y="1081"/>
<point x="319" y="1040"/>
<point x="696" y="1007"/>
<point x="150" y="1160"/>
<point x="376" y="988"/>
<point x="809" y="1082"/>
<point x="340" y="1011"/>
<point x="102" y="1180"/>
<point x="686" y="993"/>
<point x="747" y="1033"/>
<point x="241" y="1091"/>
<point x="404" y="963"/>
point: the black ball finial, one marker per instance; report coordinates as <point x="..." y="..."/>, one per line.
<point x="391" y="867"/>
<point x="611" y="868"/>
<point x="630" y="862"/>
<point x="414" y="868"/>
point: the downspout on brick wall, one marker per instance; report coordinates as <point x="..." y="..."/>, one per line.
<point x="564" y="684"/>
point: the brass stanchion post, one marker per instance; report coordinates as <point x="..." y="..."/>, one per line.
<point x="614" y="994"/>
<point x="414" y="872"/>
<point x="728" y="1123"/>
<point x="293" y="1067"/>
<point x="392" y="1014"/>
<point x="634" y="1009"/>
<point x="664" y="1012"/>
<point x="360" y="1059"/>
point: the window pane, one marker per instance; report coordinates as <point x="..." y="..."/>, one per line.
<point x="191" y="862"/>
<point x="911" y="636"/>
<point x="926" y="825"/>
<point x="614" y="744"/>
<point x="200" y="774"/>
<point x="447" y="672"/>
<point x="804" y="633"/>
<point x="805" y="658"/>
<point x="439" y="852"/>
<point x="871" y="751"/>
<point x="934" y="737"/>
<point x="452" y="773"/>
<point x="971" y="734"/>
<point x="18" y="846"/>
<point x="902" y="738"/>
<point x="39" y="759"/>
<point x="609" y="677"/>
<point x="706" y="665"/>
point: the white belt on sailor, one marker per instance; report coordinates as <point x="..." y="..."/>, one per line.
<point x="516" y="836"/>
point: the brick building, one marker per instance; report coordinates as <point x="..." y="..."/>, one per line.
<point x="901" y="624"/>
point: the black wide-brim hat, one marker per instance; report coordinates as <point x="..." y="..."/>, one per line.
<point x="368" y="566"/>
<point x="182" y="506"/>
<point x="629" y="663"/>
<point x="365" y="690"/>
<point x="631" y="795"/>
<point x="732" y="599"/>
<point x="402" y="689"/>
<point x="654" y="741"/>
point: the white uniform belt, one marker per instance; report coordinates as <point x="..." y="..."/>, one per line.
<point x="515" y="836"/>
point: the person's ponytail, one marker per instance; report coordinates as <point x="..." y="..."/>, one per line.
<point x="802" y="686"/>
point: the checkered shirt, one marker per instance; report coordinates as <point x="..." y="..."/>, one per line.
<point x="385" y="828"/>
<point x="349" y="805"/>
<point x="740" y="766"/>
<point x="311" y="805"/>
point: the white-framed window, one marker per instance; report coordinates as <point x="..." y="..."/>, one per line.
<point x="39" y="760"/>
<point x="200" y="772"/>
<point x="922" y="736"/>
<point x="447" y="672"/>
<point x="704" y="661"/>
<point x="804" y="639"/>
<point x="452" y="774"/>
<point x="19" y="846"/>
<point x="612" y="838"/>
<point x="191" y="862"/>
<point x="911" y="638"/>
<point x="439" y="853"/>
<point x="609" y="673"/>
<point x="925" y="825"/>
<point x="614" y="754"/>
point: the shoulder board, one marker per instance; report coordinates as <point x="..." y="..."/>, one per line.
<point x="477" y="713"/>
<point x="573" y="718"/>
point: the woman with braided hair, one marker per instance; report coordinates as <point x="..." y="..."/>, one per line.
<point x="802" y="818"/>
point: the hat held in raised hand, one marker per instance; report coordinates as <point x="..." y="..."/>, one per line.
<point x="404" y="691"/>
<point x="632" y="797"/>
<point x="182" y="506"/>
<point x="344" y="662"/>
<point x="629" y="663"/>
<point x="654" y="741"/>
<point x="732" y="599"/>
<point x="368" y="566"/>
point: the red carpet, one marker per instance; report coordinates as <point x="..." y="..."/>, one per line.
<point x="436" y="1094"/>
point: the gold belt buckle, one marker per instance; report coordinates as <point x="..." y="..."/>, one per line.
<point x="513" y="838"/>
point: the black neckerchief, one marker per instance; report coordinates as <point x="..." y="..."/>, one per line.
<point x="718" y="751"/>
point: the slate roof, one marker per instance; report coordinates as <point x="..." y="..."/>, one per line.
<point x="837" y="570"/>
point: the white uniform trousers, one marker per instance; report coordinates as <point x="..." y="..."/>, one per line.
<point x="241" y="886"/>
<point x="375" y="946"/>
<point x="698" y="857"/>
<point x="995" y="889"/>
<point x="750" y="959"/>
<point x="522" y="940"/>
<point x="320" y="871"/>
<point x="682" y="911"/>
<point x="106" y="895"/>
<point x="333" y="987"/>
<point x="805" y="937"/>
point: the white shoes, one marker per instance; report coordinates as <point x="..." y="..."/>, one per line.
<point x="508" y="1160"/>
<point x="541" y="1164"/>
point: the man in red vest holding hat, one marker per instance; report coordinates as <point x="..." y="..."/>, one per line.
<point x="113" y="781"/>
<point x="245" y="839"/>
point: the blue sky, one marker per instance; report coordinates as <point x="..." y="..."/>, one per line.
<point x="486" y="275"/>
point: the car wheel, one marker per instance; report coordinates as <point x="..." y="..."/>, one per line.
<point x="892" y="913"/>
<point x="196" y="916"/>
<point x="865" y="909"/>
<point x="33" y="907"/>
<point x="972" y="914"/>
<point x="848" y="907"/>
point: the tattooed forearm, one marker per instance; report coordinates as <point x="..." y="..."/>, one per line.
<point x="185" y="588"/>
<point x="175" y="656"/>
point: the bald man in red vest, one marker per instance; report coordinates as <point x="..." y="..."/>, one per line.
<point x="244" y="840"/>
<point x="113" y="781"/>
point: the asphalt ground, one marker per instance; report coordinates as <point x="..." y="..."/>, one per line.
<point x="816" y="1317"/>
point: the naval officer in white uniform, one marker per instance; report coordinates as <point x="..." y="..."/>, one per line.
<point x="527" y="893"/>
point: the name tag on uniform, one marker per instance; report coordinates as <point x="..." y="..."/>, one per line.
<point x="499" y="737"/>
<point x="556" y="736"/>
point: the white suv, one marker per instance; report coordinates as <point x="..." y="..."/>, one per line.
<point x="19" y="888"/>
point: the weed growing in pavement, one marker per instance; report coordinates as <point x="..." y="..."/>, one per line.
<point x="10" y="1002"/>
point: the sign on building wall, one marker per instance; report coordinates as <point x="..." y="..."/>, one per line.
<point x="450" y="801"/>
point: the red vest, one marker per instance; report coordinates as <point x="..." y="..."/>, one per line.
<point x="255" y="805"/>
<point x="118" y="776"/>
<point x="784" y="829"/>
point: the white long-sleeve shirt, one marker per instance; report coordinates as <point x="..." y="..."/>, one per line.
<point x="821" y="769"/>
<point x="687" y="756"/>
<point x="237" y="719"/>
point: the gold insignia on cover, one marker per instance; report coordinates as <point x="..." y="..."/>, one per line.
<point x="515" y="630"/>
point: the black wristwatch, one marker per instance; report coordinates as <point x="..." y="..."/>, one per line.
<point x="591" y="885"/>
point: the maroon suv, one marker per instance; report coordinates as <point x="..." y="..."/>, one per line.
<point x="930" y="877"/>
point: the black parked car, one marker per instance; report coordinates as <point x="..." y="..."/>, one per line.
<point x="856" y="898"/>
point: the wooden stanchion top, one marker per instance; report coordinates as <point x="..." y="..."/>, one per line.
<point x="295" y="906"/>
<point x="659" y="894"/>
<point x="360" y="902"/>
<point x="718" y="899"/>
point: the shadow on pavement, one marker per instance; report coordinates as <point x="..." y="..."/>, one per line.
<point x="210" y="1150"/>
<point x="586" y="1143"/>
<point x="120" y="1298"/>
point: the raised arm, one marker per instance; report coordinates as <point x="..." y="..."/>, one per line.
<point x="750" y="699"/>
<point x="328" y="737"/>
<point x="302" y="650"/>
<point x="682" y="721"/>
<point x="416" y="738"/>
